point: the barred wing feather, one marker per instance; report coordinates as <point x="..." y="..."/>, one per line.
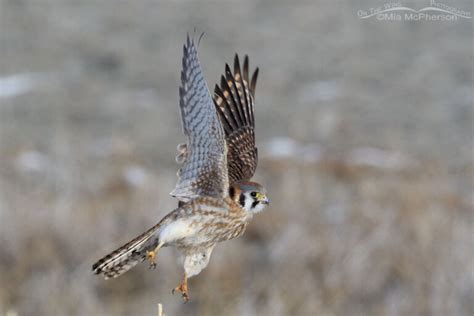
<point x="204" y="170"/>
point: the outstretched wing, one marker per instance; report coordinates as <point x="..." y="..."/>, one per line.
<point x="204" y="170"/>
<point x="234" y="101"/>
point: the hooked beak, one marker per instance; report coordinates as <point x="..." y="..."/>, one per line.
<point x="262" y="198"/>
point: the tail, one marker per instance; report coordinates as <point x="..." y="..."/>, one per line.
<point x="126" y="257"/>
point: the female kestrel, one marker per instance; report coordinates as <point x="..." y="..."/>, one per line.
<point x="216" y="198"/>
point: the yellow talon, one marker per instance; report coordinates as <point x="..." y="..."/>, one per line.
<point x="183" y="289"/>
<point x="151" y="257"/>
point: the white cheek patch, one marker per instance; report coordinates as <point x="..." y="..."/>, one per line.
<point x="248" y="203"/>
<point x="176" y="230"/>
<point x="258" y="208"/>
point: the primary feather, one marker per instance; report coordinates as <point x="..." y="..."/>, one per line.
<point x="234" y="103"/>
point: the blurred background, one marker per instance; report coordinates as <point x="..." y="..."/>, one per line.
<point x="365" y="136"/>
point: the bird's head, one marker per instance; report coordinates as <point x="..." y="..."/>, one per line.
<point x="251" y="196"/>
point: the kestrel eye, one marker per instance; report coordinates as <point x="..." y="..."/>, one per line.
<point x="253" y="194"/>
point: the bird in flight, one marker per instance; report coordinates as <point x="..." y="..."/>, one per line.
<point x="216" y="198"/>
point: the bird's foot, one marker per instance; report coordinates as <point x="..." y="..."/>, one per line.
<point x="151" y="257"/>
<point x="183" y="289"/>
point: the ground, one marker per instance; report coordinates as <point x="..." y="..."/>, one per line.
<point x="364" y="129"/>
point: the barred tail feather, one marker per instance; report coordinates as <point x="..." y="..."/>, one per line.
<point x="126" y="257"/>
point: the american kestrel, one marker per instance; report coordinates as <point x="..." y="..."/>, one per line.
<point x="216" y="197"/>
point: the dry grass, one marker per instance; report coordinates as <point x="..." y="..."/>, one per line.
<point x="365" y="136"/>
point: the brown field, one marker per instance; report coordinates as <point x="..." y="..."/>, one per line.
<point x="365" y="135"/>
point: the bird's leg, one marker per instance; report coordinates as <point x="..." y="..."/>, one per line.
<point x="151" y="255"/>
<point x="183" y="288"/>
